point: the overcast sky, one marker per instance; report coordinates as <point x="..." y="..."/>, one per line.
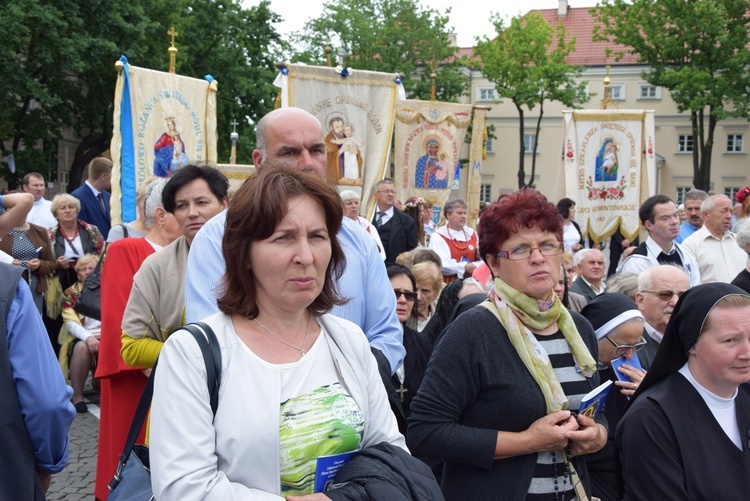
<point x="468" y="18"/>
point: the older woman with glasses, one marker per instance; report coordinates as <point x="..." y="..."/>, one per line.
<point x="496" y="401"/>
<point x="619" y="329"/>
<point x="685" y="432"/>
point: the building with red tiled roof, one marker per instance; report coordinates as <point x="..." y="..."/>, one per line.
<point x="579" y="23"/>
<point x="628" y="90"/>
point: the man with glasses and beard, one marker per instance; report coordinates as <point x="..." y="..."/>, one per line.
<point x="659" y="289"/>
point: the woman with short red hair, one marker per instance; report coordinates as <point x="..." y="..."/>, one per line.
<point x="497" y="398"/>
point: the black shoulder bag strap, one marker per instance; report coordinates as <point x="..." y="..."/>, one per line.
<point x="200" y="332"/>
<point x="209" y="345"/>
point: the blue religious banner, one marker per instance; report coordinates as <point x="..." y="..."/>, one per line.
<point x="429" y="137"/>
<point x="162" y="121"/>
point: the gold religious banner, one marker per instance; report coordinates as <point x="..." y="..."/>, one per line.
<point x="162" y="121"/>
<point x="429" y="136"/>
<point x="355" y="109"/>
<point x="476" y="156"/>
<point x="609" y="167"/>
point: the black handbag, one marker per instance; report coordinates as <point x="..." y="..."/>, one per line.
<point x="89" y="303"/>
<point x="132" y="480"/>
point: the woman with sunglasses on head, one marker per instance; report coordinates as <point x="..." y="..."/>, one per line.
<point x="685" y="432"/>
<point x="496" y="400"/>
<point x="618" y="326"/>
<point x="409" y="376"/>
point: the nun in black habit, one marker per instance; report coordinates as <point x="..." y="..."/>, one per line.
<point x="686" y="431"/>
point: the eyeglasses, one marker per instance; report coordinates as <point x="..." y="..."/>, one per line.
<point x="666" y="295"/>
<point x="524" y="251"/>
<point x="408" y="295"/>
<point x="622" y="349"/>
<point x="387" y="192"/>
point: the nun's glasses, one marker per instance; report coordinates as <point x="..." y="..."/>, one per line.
<point x="622" y="349"/>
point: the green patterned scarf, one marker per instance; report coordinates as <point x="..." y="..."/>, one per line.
<point x="509" y="305"/>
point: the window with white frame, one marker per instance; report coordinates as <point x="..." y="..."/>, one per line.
<point x="680" y="195"/>
<point x="735" y="143"/>
<point x="684" y="143"/>
<point x="485" y="193"/>
<point x="486" y="94"/>
<point x="529" y="141"/>
<point x="731" y="191"/>
<point x="647" y="91"/>
<point x="488" y="145"/>
<point x="617" y="92"/>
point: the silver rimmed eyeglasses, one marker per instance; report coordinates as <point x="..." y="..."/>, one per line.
<point x="622" y="349"/>
<point x="524" y="251"/>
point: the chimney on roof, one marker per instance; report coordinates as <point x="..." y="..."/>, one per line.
<point x="562" y="8"/>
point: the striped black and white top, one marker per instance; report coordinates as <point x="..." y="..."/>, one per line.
<point x="550" y="466"/>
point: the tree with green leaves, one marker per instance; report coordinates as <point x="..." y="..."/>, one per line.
<point x="393" y="36"/>
<point x="58" y="63"/>
<point x="696" y="50"/>
<point x="527" y="63"/>
<point x="239" y="47"/>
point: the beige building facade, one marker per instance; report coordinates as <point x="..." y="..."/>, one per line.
<point x="730" y="170"/>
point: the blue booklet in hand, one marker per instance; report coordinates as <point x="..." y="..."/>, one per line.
<point x="327" y="467"/>
<point x="592" y="403"/>
<point x="633" y="362"/>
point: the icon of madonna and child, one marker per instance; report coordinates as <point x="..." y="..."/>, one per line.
<point x="606" y="160"/>
<point x="432" y="168"/>
<point x="169" y="151"/>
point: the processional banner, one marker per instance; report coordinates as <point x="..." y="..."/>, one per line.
<point x="429" y="136"/>
<point x="162" y="121"/>
<point x="355" y="109"/>
<point x="477" y="154"/>
<point x="609" y="168"/>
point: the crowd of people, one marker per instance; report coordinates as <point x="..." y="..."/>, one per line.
<point x="434" y="361"/>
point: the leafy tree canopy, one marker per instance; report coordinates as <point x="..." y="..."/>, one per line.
<point x="394" y="36"/>
<point x="696" y="50"/>
<point x="58" y="62"/>
<point x="527" y="63"/>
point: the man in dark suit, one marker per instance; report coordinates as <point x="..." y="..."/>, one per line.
<point x="94" y="200"/>
<point x="590" y="268"/>
<point x="397" y="230"/>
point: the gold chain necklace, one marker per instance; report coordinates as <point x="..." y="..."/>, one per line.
<point x="300" y="349"/>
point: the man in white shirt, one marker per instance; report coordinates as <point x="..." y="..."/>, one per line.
<point x="659" y="289"/>
<point x="713" y="246"/>
<point x="658" y="214"/>
<point x="456" y="243"/>
<point x="41" y="212"/>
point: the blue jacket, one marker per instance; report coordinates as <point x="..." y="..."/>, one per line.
<point x="91" y="212"/>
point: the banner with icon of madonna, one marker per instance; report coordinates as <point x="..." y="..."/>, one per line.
<point x="162" y="121"/>
<point x="608" y="168"/>
<point x="429" y="138"/>
<point x="355" y="109"/>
